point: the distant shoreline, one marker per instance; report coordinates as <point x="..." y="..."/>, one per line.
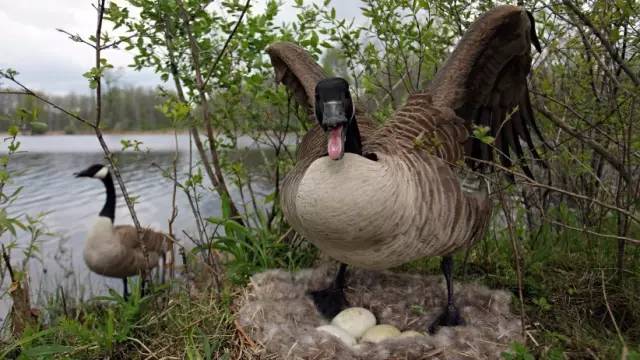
<point x="123" y="132"/>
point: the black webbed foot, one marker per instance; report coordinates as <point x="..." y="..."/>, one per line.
<point x="449" y="317"/>
<point x="329" y="301"/>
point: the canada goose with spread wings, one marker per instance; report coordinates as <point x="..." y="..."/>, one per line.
<point x="376" y="197"/>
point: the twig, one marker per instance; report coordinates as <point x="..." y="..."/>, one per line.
<point x="531" y="182"/>
<point x="605" y="42"/>
<point x="7" y="261"/>
<point x="609" y="236"/>
<point x="115" y="43"/>
<point x="64" y="301"/>
<point x="613" y="319"/>
<point x="21" y="316"/>
<point x="103" y="144"/>
<point x="28" y="91"/>
<point x="592" y="144"/>
<point x="10" y="92"/>
<point x="214" y="66"/>
<point x="149" y="352"/>
<point x="244" y="335"/>
<point x="174" y="209"/>
<point x="581" y="117"/>
<point x="532" y="338"/>
<point x="285" y="235"/>
<point x="516" y="254"/>
<point x="221" y="186"/>
<point x="195" y="134"/>
<point x="77" y="38"/>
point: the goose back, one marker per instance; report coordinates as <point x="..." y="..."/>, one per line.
<point x="115" y="251"/>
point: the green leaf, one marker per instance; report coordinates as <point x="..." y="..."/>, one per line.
<point x="13" y="130"/>
<point x="314" y="39"/>
<point x="225" y="204"/>
<point x="482" y="133"/>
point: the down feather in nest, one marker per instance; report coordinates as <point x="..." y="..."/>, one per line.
<point x="277" y="314"/>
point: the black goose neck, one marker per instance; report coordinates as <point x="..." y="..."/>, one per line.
<point x="109" y="208"/>
<point x="353" y="143"/>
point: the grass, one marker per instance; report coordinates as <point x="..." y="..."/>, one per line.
<point x="172" y="322"/>
<point x="566" y="275"/>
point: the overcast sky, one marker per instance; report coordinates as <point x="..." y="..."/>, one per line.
<point x="48" y="61"/>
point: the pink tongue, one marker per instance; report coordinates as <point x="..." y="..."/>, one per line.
<point x="335" y="143"/>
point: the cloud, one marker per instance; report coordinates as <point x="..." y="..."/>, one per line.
<point x="48" y="61"/>
<point x="45" y="58"/>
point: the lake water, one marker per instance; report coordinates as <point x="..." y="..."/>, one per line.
<point x="45" y="171"/>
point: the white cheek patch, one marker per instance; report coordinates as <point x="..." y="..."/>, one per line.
<point x="102" y="173"/>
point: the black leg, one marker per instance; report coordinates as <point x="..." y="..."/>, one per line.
<point x="331" y="300"/>
<point x="143" y="285"/>
<point x="125" y="289"/>
<point x="164" y="270"/>
<point x="450" y="316"/>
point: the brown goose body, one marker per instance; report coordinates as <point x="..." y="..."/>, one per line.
<point x="410" y="203"/>
<point x="115" y="251"/>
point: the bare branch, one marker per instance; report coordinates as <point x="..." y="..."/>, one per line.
<point x="77" y="38"/>
<point x="518" y="259"/>
<point x="605" y="42"/>
<point x="7" y="261"/>
<point x="29" y="92"/>
<point x="108" y="155"/>
<point x="590" y="232"/>
<point x="531" y="182"/>
<point x="220" y="184"/>
<point x="214" y="66"/>
<point x="615" y="162"/>
<point x="10" y="92"/>
<point x="613" y="319"/>
<point x="114" y="44"/>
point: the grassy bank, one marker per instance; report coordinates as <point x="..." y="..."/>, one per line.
<point x="576" y="305"/>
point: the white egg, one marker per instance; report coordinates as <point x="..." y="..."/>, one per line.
<point x="355" y="320"/>
<point x="410" y="333"/>
<point x="380" y="332"/>
<point x="344" y="336"/>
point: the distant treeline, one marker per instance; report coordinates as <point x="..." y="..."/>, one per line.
<point x="124" y="109"/>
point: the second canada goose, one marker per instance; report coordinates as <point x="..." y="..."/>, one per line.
<point x="378" y="197"/>
<point x="115" y="251"/>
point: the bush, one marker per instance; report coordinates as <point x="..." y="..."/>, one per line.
<point x="38" y="128"/>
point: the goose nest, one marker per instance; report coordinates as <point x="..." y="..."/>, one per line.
<point x="282" y="322"/>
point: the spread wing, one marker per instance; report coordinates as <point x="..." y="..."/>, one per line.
<point x="297" y="70"/>
<point x="484" y="82"/>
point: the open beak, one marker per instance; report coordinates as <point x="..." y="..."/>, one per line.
<point x="335" y="123"/>
<point x="336" y="138"/>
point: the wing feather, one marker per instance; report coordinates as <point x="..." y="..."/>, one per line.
<point x="484" y="82"/>
<point x="155" y="241"/>
<point x="298" y="71"/>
